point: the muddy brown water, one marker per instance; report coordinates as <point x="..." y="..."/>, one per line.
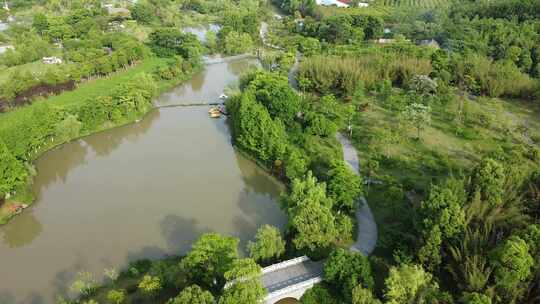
<point x="138" y="191"/>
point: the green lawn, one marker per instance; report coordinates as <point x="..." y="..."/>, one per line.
<point x="36" y="67"/>
<point x="93" y="88"/>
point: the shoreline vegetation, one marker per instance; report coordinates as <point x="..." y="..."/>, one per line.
<point x="71" y="102"/>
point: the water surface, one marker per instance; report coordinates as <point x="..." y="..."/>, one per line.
<point x="138" y="191"/>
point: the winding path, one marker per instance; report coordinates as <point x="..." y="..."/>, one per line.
<point x="367" y="228"/>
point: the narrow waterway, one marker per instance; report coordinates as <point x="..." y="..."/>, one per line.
<point x="139" y="191"/>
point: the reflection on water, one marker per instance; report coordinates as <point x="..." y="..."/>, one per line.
<point x="200" y="31"/>
<point x="208" y="85"/>
<point x="142" y="190"/>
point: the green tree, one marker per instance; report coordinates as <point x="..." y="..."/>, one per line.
<point x="40" y="23"/>
<point x="237" y="43"/>
<point x="68" y="129"/>
<point x="310" y="213"/>
<point x="210" y="257"/>
<point x="192" y="295"/>
<point x="417" y="115"/>
<point x="318" y="294"/>
<point x="116" y="296"/>
<point x="488" y="180"/>
<point x="245" y="286"/>
<point x="344" y="186"/>
<point x="346" y="270"/>
<point x="168" y="42"/>
<point x="268" y="244"/>
<point x="12" y="171"/>
<point x="408" y="284"/>
<point x="512" y="264"/>
<point x="143" y="12"/>
<point x="274" y="92"/>
<point x="361" y="295"/>
<point x="150" y="285"/>
<point x="475" y="298"/>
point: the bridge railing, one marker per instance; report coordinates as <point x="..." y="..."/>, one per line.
<point x="285" y="264"/>
<point x="292" y="288"/>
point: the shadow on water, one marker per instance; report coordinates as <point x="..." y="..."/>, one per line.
<point x="109" y="141"/>
<point x="180" y="233"/>
<point x="22" y="231"/>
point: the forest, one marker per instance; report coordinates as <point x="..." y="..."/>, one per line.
<point x="439" y="98"/>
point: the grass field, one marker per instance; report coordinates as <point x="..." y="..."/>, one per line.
<point x="407" y="167"/>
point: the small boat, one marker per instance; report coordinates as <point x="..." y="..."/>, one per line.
<point x="214" y="112"/>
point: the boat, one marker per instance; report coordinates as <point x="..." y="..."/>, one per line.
<point x="214" y="112"/>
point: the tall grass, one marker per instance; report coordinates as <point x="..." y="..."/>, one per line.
<point x="341" y="75"/>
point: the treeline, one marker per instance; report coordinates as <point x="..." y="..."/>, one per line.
<point x="481" y="233"/>
<point x="295" y="139"/>
<point x="42" y="126"/>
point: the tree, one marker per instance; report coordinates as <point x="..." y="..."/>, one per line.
<point x="193" y="295"/>
<point x="310" y="213"/>
<point x="268" y="244"/>
<point x="318" y="294"/>
<point x="210" y="257"/>
<point x="116" y="296"/>
<point x="361" y="295"/>
<point x="408" y="284"/>
<point x="245" y="286"/>
<point x="40" y="23"/>
<point x="512" y="264"/>
<point x="344" y="186"/>
<point x="150" y="285"/>
<point x="345" y="270"/>
<point x="12" y="171"/>
<point x="417" y="115"/>
<point x="475" y="298"/>
<point x="168" y="42"/>
<point x="237" y="43"/>
<point x="274" y="92"/>
<point x="143" y="12"/>
<point x="488" y="180"/>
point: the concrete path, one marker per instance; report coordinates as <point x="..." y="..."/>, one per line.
<point x="367" y="228"/>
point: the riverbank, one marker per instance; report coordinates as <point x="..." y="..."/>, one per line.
<point x="71" y="102"/>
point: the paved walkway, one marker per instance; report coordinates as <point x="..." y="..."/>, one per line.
<point x="292" y="275"/>
<point x="367" y="228"/>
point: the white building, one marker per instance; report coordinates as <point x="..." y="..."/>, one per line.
<point x="51" y="60"/>
<point x="339" y="3"/>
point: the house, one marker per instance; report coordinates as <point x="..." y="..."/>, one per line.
<point x="118" y="11"/>
<point x="51" y="60"/>
<point x="340" y="3"/>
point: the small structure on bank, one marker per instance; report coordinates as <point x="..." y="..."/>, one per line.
<point x="51" y="60"/>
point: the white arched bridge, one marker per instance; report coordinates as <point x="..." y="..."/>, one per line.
<point x="291" y="279"/>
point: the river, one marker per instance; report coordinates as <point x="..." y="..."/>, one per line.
<point x="139" y="191"/>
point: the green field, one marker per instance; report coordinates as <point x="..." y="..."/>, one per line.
<point x="94" y="88"/>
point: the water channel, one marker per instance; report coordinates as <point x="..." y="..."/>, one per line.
<point x="138" y="191"/>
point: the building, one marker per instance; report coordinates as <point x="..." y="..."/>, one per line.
<point x="51" y="60"/>
<point x="340" y="3"/>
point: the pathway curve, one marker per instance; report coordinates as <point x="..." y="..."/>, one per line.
<point x="367" y="228"/>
